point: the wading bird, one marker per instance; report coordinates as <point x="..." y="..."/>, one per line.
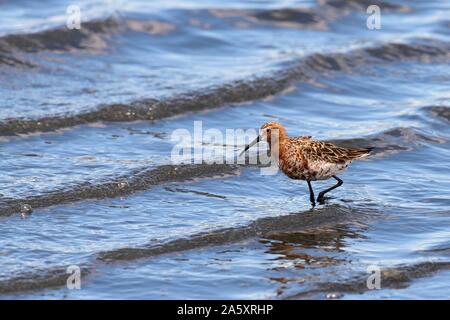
<point x="303" y="158"/>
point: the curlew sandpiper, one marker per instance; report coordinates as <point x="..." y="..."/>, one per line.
<point x="303" y="158"/>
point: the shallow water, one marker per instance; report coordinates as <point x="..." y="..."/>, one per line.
<point x="86" y="119"/>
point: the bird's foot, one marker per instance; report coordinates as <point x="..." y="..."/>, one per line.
<point x="321" y="199"/>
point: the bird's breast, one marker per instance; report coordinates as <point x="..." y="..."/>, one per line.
<point x="294" y="166"/>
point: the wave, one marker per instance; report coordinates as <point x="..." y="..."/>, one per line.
<point x="135" y="181"/>
<point x="384" y="143"/>
<point x="305" y="70"/>
<point x="281" y="228"/>
<point x="92" y="34"/>
<point x="390" y="141"/>
<point x="363" y="4"/>
<point x="61" y="39"/>
<point x="394" y="277"/>
<point x="315" y="18"/>
<point x="442" y="112"/>
<point x="38" y="280"/>
<point x="261" y="228"/>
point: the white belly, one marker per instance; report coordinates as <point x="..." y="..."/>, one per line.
<point x="326" y="170"/>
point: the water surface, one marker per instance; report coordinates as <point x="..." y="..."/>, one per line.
<point x="86" y="119"/>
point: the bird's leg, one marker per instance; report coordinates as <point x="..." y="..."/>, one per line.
<point x="339" y="183"/>
<point x="311" y="193"/>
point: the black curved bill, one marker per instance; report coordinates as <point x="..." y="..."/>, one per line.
<point x="251" y="144"/>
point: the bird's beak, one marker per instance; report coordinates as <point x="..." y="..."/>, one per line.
<point x="251" y="144"/>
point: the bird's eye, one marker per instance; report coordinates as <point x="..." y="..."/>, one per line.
<point x="267" y="130"/>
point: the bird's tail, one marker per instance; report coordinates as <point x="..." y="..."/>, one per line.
<point x="360" y="153"/>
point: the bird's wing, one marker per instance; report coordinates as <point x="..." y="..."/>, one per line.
<point x="323" y="151"/>
<point x="300" y="139"/>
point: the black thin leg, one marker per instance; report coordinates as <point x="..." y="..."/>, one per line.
<point x="311" y="193"/>
<point x="321" y="198"/>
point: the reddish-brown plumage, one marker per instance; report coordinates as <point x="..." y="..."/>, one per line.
<point x="307" y="159"/>
<point x="304" y="158"/>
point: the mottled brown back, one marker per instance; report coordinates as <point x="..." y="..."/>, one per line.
<point x="314" y="150"/>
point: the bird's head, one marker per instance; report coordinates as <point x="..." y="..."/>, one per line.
<point x="270" y="132"/>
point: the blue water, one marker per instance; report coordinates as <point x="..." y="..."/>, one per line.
<point x="358" y="86"/>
